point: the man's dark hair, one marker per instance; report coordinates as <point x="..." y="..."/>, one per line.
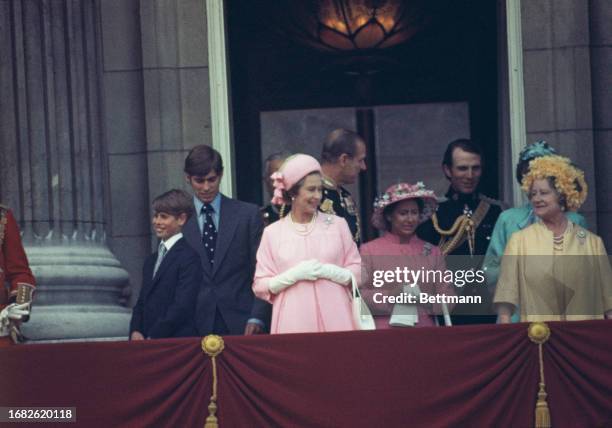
<point x="282" y="155"/>
<point x="174" y="202"/>
<point x="463" y="144"/>
<point x="338" y="142"/>
<point x="203" y="159"/>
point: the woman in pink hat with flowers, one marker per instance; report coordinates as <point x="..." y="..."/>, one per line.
<point x="398" y="212"/>
<point x="306" y="260"/>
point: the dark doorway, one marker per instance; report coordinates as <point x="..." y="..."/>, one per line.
<point x="452" y="59"/>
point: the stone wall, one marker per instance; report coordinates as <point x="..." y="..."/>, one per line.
<point x="600" y="17"/>
<point x="557" y="77"/>
<point x="157" y="108"/>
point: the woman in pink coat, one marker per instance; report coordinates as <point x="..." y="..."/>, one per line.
<point x="306" y="260"/>
<point x="398" y="212"/>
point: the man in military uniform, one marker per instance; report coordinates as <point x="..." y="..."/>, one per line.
<point x="342" y="159"/>
<point x="15" y="278"/>
<point x="463" y="224"/>
<point x="271" y="213"/>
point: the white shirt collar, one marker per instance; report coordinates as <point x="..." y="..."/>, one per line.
<point x="215" y="203"/>
<point x="169" y="243"/>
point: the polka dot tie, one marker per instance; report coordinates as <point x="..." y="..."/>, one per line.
<point x="209" y="232"/>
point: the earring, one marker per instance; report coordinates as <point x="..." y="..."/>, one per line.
<point x="292" y="198"/>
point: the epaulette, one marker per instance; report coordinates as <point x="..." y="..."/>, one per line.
<point x="327" y="206"/>
<point x="329" y="184"/>
<point x="492" y="201"/>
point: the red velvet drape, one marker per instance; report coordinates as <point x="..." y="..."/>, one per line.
<point x="429" y="377"/>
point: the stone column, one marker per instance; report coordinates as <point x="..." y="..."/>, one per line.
<point x="558" y="96"/>
<point x="600" y="17"/>
<point x="53" y="170"/>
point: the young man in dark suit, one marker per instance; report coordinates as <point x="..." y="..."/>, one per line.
<point x="171" y="277"/>
<point x="226" y="234"/>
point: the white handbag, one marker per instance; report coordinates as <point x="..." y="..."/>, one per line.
<point x="405" y="314"/>
<point x="361" y="313"/>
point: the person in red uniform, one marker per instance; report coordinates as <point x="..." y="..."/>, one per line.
<point x="16" y="279"/>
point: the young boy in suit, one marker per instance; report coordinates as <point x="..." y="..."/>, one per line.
<point x="171" y="277"/>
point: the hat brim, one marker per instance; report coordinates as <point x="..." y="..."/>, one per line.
<point x="430" y="204"/>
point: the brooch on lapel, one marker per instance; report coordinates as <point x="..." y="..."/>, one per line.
<point x="426" y="249"/>
<point x="329" y="219"/>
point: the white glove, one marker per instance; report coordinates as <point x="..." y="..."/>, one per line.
<point x="335" y="273"/>
<point x="4" y="322"/>
<point x="303" y="271"/>
<point x="12" y="312"/>
<point x="17" y="312"/>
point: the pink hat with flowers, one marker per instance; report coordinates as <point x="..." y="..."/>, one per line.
<point x="291" y="171"/>
<point x="399" y="192"/>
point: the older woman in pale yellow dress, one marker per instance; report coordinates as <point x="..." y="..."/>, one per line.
<point x="554" y="269"/>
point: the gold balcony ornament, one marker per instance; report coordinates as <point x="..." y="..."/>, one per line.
<point x="213" y="345"/>
<point x="539" y="333"/>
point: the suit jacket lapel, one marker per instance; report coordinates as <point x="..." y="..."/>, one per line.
<point x="193" y="236"/>
<point x="167" y="261"/>
<point x="228" y="220"/>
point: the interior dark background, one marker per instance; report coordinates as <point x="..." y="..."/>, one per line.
<point x="453" y="58"/>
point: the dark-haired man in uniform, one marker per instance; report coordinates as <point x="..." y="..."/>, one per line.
<point x="342" y="159"/>
<point x="463" y="224"/>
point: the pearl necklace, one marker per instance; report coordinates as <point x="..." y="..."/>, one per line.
<point x="558" y="243"/>
<point x="558" y="240"/>
<point x="303" y="229"/>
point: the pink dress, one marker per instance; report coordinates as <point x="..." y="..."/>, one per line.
<point x="386" y="253"/>
<point x="307" y="306"/>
